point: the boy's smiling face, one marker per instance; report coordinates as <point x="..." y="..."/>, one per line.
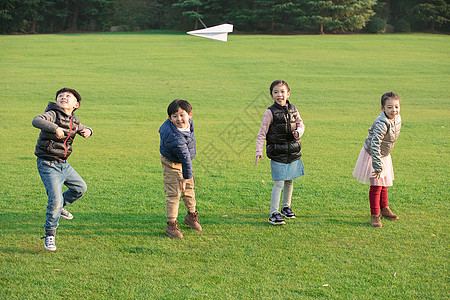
<point x="67" y="101"/>
<point x="180" y="118"/>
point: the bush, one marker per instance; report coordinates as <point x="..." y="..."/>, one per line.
<point x="376" y="25"/>
<point x="402" y="26"/>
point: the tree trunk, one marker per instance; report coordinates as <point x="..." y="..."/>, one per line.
<point x="64" y="20"/>
<point x="321" y="29"/>
<point x="196" y="20"/>
<point x="75" y="18"/>
<point x="34" y="23"/>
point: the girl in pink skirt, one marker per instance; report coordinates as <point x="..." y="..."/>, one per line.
<point x="374" y="165"/>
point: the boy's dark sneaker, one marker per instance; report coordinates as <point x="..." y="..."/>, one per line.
<point x="49" y="243"/>
<point x="276" y="219"/>
<point x="287" y="212"/>
<point x="65" y="214"/>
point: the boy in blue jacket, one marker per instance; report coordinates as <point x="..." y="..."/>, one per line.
<point x="177" y="147"/>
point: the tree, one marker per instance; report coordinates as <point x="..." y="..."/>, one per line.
<point x="190" y="9"/>
<point x="339" y="15"/>
<point x="434" y="12"/>
<point x="247" y="15"/>
<point x="34" y="11"/>
<point x="7" y="16"/>
<point x="87" y="12"/>
<point x="279" y="14"/>
<point x="138" y="14"/>
<point x="264" y="15"/>
<point x="22" y="15"/>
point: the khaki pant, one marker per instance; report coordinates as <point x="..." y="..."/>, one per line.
<point x="173" y="177"/>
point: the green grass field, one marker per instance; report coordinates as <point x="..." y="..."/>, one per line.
<point x="115" y="247"/>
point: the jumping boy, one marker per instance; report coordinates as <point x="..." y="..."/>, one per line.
<point x="59" y="125"/>
<point x="177" y="148"/>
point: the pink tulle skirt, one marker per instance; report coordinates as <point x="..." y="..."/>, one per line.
<point x="363" y="170"/>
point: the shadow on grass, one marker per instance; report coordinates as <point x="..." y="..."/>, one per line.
<point x="260" y="220"/>
<point x="30" y="226"/>
<point x="345" y="221"/>
<point x="10" y="250"/>
<point x="101" y="223"/>
<point x="138" y="224"/>
<point x="256" y="220"/>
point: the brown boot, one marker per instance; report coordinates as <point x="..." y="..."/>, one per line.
<point x="173" y="231"/>
<point x="191" y="219"/>
<point x="387" y="213"/>
<point x="376" y="221"/>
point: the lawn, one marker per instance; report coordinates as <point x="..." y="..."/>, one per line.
<point x="115" y="246"/>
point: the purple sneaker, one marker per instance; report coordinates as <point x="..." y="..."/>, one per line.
<point x="276" y="219"/>
<point x="287" y="212"/>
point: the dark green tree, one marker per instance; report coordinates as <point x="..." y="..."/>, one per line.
<point x="190" y="9"/>
<point x="8" y="21"/>
<point x="23" y="16"/>
<point x="432" y="13"/>
<point x="34" y="12"/>
<point x="247" y="15"/>
<point x="138" y="14"/>
<point x="339" y="15"/>
<point x="264" y="15"/>
<point x="88" y="13"/>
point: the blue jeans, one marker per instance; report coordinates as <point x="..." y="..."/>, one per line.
<point x="54" y="175"/>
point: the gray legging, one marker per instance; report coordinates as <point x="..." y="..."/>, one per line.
<point x="276" y="194"/>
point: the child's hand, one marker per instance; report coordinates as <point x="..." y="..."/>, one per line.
<point x="183" y="183"/>
<point x="85" y="133"/>
<point x="59" y="133"/>
<point x="258" y="157"/>
<point x="376" y="175"/>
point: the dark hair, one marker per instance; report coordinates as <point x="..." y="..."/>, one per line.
<point x="72" y="91"/>
<point x="179" y="103"/>
<point x="388" y="95"/>
<point x="277" y="82"/>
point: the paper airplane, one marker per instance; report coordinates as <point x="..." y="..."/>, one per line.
<point x="218" y="33"/>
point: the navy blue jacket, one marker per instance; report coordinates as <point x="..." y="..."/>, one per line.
<point x="178" y="146"/>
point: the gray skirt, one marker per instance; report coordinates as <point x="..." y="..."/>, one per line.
<point x="282" y="171"/>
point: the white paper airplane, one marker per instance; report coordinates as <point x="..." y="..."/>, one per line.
<point x="218" y="33"/>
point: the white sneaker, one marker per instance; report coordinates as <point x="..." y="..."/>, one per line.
<point x="49" y="242"/>
<point x="65" y="214"/>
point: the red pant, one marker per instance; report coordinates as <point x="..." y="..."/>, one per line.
<point x="378" y="197"/>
